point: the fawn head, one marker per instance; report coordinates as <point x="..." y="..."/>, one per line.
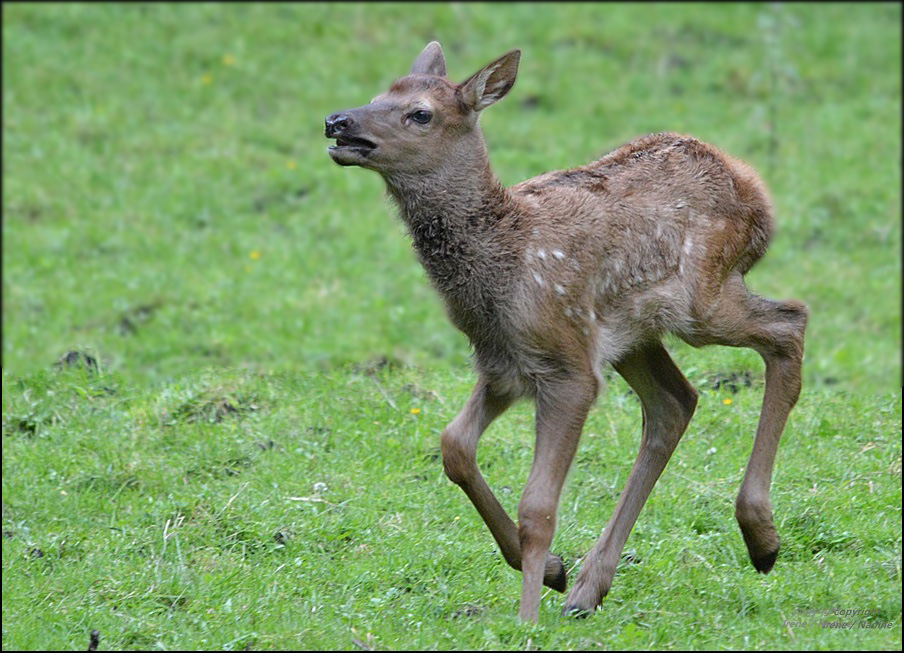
<point x="423" y="121"/>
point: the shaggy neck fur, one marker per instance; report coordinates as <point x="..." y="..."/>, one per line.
<point x="454" y="216"/>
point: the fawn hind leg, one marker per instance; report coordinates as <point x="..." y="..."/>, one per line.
<point x="459" y="447"/>
<point x="775" y="329"/>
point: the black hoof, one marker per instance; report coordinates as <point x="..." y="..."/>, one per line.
<point x="559" y="581"/>
<point x="575" y="612"/>
<point x="764" y="564"/>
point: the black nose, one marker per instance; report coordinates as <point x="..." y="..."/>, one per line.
<point x="336" y="124"/>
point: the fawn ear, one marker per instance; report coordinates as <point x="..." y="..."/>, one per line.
<point x="489" y="85"/>
<point x="431" y="61"/>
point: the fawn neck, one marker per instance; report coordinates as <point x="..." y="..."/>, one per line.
<point x="455" y="216"/>
<point x="451" y="214"/>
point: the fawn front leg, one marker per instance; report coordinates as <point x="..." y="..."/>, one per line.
<point x="459" y="446"/>
<point x="668" y="402"/>
<point x="562" y="408"/>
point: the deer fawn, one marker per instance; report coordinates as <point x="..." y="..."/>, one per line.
<point x="572" y="270"/>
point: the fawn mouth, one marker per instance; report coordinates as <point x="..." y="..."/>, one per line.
<point x="354" y="142"/>
<point x="348" y="150"/>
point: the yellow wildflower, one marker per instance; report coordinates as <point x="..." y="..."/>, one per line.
<point x="228" y="60"/>
<point x="415" y="411"/>
<point x="207" y="78"/>
<point x="255" y="255"/>
<point x="727" y="402"/>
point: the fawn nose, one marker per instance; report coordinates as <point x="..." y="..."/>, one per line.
<point x="336" y="124"/>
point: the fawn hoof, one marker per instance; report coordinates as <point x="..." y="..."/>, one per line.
<point x="761" y="538"/>
<point x="584" y="599"/>
<point x="764" y="563"/>
<point x="576" y="612"/>
<point x="554" y="574"/>
<point x="762" y="547"/>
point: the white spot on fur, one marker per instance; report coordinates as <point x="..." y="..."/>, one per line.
<point x="568" y="312"/>
<point x="560" y="289"/>
<point x="542" y="254"/>
<point x="688" y="246"/>
<point x="592" y="315"/>
<point x="538" y="279"/>
<point x="558" y="253"/>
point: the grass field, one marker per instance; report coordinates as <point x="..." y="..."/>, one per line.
<point x="254" y="463"/>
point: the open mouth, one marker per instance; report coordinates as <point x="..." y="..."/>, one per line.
<point x="354" y="142"/>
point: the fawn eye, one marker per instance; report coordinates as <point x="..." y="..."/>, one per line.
<point x="421" y="117"/>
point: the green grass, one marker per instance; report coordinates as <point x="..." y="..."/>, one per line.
<point x="235" y="476"/>
<point x="294" y="510"/>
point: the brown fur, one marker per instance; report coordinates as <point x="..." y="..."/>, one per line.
<point x="563" y="274"/>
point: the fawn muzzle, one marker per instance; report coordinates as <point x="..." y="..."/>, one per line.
<point x="350" y="149"/>
<point x="336" y="124"/>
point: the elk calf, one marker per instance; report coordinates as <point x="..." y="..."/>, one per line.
<point x="562" y="274"/>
